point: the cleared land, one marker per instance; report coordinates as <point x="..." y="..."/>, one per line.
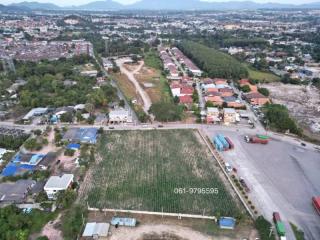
<point x="154" y="84"/>
<point x="126" y="87"/>
<point x="302" y="102"/>
<point x="264" y="77"/>
<point x="140" y="170"/>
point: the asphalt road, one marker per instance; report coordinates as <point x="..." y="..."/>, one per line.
<point x="283" y="176"/>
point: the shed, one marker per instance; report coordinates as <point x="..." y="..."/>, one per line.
<point x="227" y="223"/>
<point x="128" y="222"/>
<point x="95" y="230"/>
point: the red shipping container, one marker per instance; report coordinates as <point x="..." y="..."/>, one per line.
<point x="230" y="143"/>
<point x="316" y="203"/>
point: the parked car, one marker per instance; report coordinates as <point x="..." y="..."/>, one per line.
<point x="228" y="167"/>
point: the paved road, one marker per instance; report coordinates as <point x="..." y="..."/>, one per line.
<point x="130" y="74"/>
<point x="283" y="176"/>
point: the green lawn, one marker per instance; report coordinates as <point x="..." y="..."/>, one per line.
<point x="143" y="170"/>
<point x="261" y="76"/>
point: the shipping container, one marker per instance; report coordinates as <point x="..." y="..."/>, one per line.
<point x="231" y="145"/>
<point x="223" y="141"/>
<point x="218" y="145"/>
<point x="262" y="136"/>
<point x="280" y="229"/>
<point x="316" y="203"/>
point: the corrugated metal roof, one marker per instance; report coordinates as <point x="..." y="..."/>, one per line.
<point x="96" y="229"/>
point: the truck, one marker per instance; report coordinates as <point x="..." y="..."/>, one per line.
<point x="316" y="203"/>
<point x="262" y="136"/>
<point x="279" y="225"/>
<point x="254" y="139"/>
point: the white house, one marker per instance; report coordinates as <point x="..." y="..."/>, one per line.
<point x="57" y="183"/>
<point x="120" y="116"/>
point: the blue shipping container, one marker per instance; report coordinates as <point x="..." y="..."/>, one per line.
<point x="218" y="144"/>
<point x="223" y="141"/>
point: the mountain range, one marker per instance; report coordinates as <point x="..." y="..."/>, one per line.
<point x="107" y="5"/>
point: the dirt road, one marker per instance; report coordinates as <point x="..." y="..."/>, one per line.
<point x="139" y="233"/>
<point x="130" y="74"/>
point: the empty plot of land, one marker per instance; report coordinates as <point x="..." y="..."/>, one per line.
<point x="154" y="84"/>
<point x="158" y="171"/>
<point x="303" y="103"/>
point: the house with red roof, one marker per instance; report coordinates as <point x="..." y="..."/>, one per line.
<point x="256" y="98"/>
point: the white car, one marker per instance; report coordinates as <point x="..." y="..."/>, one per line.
<point x="228" y="168"/>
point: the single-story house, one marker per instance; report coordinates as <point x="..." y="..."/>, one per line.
<point x="256" y="98"/>
<point x="15" y="192"/>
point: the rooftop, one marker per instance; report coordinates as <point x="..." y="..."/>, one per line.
<point x="59" y="182"/>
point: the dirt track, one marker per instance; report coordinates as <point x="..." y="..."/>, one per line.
<point x="155" y="231"/>
<point x="130" y="74"/>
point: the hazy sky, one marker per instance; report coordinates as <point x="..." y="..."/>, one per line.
<point x="79" y="2"/>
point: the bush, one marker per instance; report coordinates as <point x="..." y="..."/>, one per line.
<point x="263" y="227"/>
<point x="245" y="88"/>
<point x="69" y="152"/>
<point x="264" y="91"/>
<point x="32" y="144"/>
<point x="166" y="111"/>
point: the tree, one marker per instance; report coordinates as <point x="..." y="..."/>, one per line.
<point x="122" y="103"/>
<point x="64" y="199"/>
<point x="279" y="119"/>
<point x="264" y="91"/>
<point x="67" y="117"/>
<point x="42" y="238"/>
<point x="263" y="227"/>
<point x="32" y="144"/>
<point x="209" y="104"/>
<point x="176" y="99"/>
<point x="245" y="88"/>
<point x="72" y="221"/>
<point x="37" y="132"/>
<point x="212" y="61"/>
<point x="195" y="96"/>
<point x="69" y="152"/>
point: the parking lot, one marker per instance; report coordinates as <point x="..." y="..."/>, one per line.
<point x="282" y="177"/>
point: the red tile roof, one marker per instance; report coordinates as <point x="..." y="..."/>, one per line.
<point x="186" y="99"/>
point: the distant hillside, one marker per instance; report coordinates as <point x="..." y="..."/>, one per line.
<point x="101" y="6"/>
<point x="9" y="8"/>
<point x="36" y="6"/>
<point x="106" y="5"/>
